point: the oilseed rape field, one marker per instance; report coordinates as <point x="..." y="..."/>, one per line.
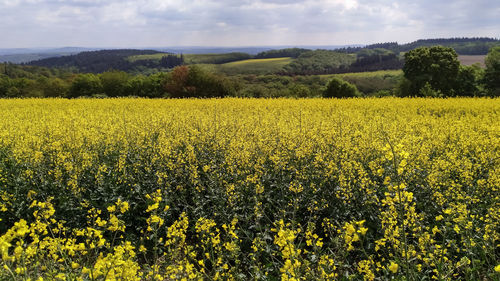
<point x="250" y="189"/>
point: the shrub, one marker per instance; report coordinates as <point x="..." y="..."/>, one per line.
<point x="85" y="85"/>
<point x="338" y="88"/>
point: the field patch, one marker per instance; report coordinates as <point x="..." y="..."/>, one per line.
<point x="155" y="57"/>
<point x="255" y="66"/>
<point x="470" y="60"/>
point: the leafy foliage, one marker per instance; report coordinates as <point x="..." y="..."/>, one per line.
<point x="492" y="73"/>
<point x="85" y="85"/>
<point x="193" y="81"/>
<point x="338" y="88"/>
<point x="436" y="66"/>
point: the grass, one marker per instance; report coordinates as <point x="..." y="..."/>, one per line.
<point x="377" y="73"/>
<point x="147" y="57"/>
<point x="255" y="66"/>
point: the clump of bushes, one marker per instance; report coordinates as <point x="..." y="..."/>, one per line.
<point x="338" y="88"/>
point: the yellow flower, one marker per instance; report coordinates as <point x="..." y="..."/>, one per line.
<point x="393" y="267"/>
<point x="497" y="268"/>
<point x="124" y="207"/>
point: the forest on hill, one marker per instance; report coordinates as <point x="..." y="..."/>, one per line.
<point x="381" y="56"/>
<point x="374" y="70"/>
<point x="434" y="71"/>
<point x="461" y="45"/>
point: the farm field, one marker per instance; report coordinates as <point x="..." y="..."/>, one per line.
<point x="155" y="57"/>
<point x="254" y="66"/>
<point x="470" y="60"/>
<point x="240" y="189"/>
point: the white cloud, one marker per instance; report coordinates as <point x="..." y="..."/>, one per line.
<point x="129" y="23"/>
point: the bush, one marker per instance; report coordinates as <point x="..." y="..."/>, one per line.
<point x="194" y="82"/>
<point x="338" y="88"/>
<point x="114" y="83"/>
<point x="85" y="85"/>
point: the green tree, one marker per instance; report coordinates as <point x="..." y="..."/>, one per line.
<point x="150" y="86"/>
<point x="85" y="85"/>
<point x="300" y="91"/>
<point x="492" y="72"/>
<point x="193" y="81"/>
<point x="338" y="88"/>
<point x="55" y="87"/>
<point x="437" y="66"/>
<point x="5" y="84"/>
<point x="114" y="83"/>
<point x="468" y="81"/>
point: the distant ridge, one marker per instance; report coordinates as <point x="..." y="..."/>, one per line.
<point x="96" y="61"/>
<point x="462" y="45"/>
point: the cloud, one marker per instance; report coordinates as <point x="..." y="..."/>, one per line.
<point x="129" y="23"/>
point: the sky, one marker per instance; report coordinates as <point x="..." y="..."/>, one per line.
<point x="165" y="23"/>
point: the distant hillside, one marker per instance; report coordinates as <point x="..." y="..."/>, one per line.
<point x="463" y="46"/>
<point x="104" y="60"/>
<point x="24" y="55"/>
<point x="310" y="60"/>
<point x="254" y="66"/>
<point x="25" y="58"/>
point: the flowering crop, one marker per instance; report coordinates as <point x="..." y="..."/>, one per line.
<point x="239" y="189"/>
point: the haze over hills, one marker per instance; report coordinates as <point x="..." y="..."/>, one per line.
<point x="304" y="60"/>
<point x="463" y="46"/>
<point x="24" y="55"/>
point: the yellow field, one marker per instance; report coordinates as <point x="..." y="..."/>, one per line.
<point x="240" y="189"/>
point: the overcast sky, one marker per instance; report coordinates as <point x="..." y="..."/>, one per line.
<point x="159" y="23"/>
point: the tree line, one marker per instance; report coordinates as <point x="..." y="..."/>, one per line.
<point x="462" y="45"/>
<point x="104" y="60"/>
<point x="427" y="72"/>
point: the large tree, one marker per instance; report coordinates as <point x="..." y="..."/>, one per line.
<point x="492" y="72"/>
<point x="437" y="67"/>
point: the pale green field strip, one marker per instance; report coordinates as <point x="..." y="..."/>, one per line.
<point x="255" y="66"/>
<point x="273" y="61"/>
<point x="147" y="57"/>
<point x="365" y="74"/>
